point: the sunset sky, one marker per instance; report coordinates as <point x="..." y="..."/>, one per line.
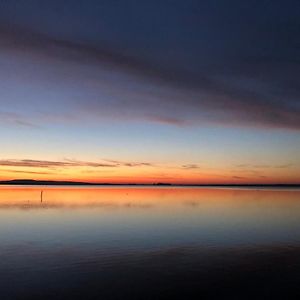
<point x="150" y="91"/>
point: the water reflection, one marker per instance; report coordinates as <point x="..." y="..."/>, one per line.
<point x="93" y="240"/>
<point x="155" y="216"/>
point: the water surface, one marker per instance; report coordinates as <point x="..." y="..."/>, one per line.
<point x="149" y="243"/>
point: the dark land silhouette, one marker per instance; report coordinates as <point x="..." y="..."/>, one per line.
<point x="81" y="183"/>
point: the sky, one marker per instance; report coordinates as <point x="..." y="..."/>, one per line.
<point x="150" y="91"/>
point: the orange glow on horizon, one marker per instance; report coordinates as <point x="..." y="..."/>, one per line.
<point x="150" y="175"/>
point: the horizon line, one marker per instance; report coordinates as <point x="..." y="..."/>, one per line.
<point x="67" y="182"/>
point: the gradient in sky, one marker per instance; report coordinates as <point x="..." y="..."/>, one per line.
<point x="150" y="91"/>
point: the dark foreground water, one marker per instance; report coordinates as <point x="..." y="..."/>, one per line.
<point x="149" y="243"/>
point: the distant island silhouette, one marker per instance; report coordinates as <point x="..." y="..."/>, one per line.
<point x="80" y="183"/>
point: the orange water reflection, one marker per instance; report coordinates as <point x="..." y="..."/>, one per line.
<point x="147" y="217"/>
<point x="18" y="196"/>
<point x="236" y="203"/>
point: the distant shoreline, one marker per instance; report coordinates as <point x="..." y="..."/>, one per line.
<point x="78" y="183"/>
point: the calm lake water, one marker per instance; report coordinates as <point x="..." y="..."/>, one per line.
<point x="149" y="243"/>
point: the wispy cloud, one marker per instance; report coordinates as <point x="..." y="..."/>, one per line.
<point x="32" y="163"/>
<point x="26" y="172"/>
<point x="10" y="118"/>
<point x="67" y="163"/>
<point x="93" y="84"/>
<point x="129" y="164"/>
<point x="264" y="166"/>
<point x="190" y="166"/>
<point x="239" y="177"/>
